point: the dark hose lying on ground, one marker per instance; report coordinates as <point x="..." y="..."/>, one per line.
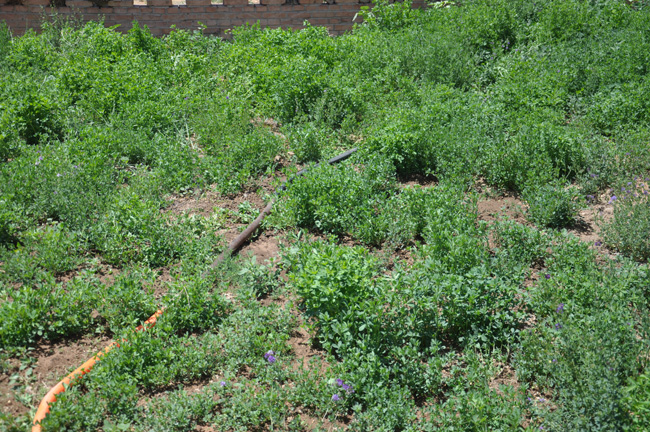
<point x="241" y="238"/>
<point x="44" y="406"/>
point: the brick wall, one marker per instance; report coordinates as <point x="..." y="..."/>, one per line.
<point x="160" y="15"/>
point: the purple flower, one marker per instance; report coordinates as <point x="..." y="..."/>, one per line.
<point x="339" y="382"/>
<point x="227" y="97"/>
<point x="347" y="388"/>
<point x="623" y="189"/>
<point x="627" y="154"/>
<point x="593" y="176"/>
<point x="541" y="399"/>
<point x="554" y="360"/>
<point x="271" y="359"/>
<point x="560" y="308"/>
<point x="547" y="276"/>
<point x="597" y="244"/>
<point x="222" y="383"/>
<point x="58" y="175"/>
<point x="268" y="354"/>
<point x="186" y="98"/>
<point x="558" y="326"/>
<point x="335" y="397"/>
<point x="612" y="199"/>
<point x="629" y="183"/>
<point x="40" y="158"/>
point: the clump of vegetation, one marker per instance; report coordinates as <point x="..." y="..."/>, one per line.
<point x="551" y="206"/>
<point x="627" y="231"/>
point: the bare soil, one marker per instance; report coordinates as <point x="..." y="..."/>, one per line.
<point x="505" y="207"/>
<point x="51" y="362"/>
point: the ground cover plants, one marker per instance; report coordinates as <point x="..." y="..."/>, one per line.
<point x="402" y="293"/>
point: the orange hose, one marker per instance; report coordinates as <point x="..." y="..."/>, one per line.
<point x="44" y="407"/>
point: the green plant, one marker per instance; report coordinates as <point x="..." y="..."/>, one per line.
<point x="627" y="230"/>
<point x="637" y="400"/>
<point x="552" y="206"/>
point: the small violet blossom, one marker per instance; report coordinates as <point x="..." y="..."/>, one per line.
<point x="270" y="356"/>
<point x="560" y="308"/>
<point x="335" y="397"/>
<point x="222" y="383"/>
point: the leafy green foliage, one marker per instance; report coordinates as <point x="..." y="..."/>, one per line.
<point x="551" y="206"/>
<point x="101" y="133"/>
<point x="626" y="231"/>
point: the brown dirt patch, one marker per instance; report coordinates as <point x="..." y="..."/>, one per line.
<point x="50" y="362"/>
<point x="264" y="247"/>
<point x="55" y="360"/>
<point x="162" y="282"/>
<point x="588" y="226"/>
<point x="301" y="346"/>
<point x="205" y="203"/>
<point x="8" y="390"/>
<point x="493" y="209"/>
<point x="418" y="180"/>
<point x="312" y="423"/>
<point x="505" y="377"/>
<point x="202" y="205"/>
<point x="107" y="274"/>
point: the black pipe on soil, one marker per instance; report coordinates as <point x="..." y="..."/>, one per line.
<point x="241" y="238"/>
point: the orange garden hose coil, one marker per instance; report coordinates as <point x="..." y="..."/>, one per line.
<point x="44" y="407"/>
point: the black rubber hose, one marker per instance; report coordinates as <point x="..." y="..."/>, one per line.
<point x="241" y="238"/>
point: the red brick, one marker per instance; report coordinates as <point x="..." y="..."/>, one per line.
<point x="36" y="2"/>
<point x="317" y="21"/>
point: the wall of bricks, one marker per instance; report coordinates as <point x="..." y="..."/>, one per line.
<point x="160" y="15"/>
